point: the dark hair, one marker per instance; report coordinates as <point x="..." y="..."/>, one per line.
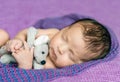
<point x="97" y="37"/>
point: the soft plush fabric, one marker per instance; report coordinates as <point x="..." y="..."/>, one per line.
<point x="15" y="74"/>
<point x="16" y="15"/>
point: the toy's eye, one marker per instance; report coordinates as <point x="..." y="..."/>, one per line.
<point x="43" y="52"/>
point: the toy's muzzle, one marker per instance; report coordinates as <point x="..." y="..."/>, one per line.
<point x="43" y="62"/>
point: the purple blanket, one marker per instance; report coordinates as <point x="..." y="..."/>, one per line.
<point x="19" y="14"/>
<point x="11" y="73"/>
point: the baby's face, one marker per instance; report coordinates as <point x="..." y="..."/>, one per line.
<point x="67" y="47"/>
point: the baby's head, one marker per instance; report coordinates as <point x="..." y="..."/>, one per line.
<point x="82" y="41"/>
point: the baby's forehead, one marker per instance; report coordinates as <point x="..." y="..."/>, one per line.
<point x="82" y="23"/>
<point x="77" y="25"/>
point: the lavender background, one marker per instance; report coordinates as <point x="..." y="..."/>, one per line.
<point x="16" y="15"/>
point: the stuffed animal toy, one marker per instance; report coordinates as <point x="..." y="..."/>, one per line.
<point x="40" y="49"/>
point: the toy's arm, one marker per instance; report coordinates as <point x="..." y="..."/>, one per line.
<point x="7" y="58"/>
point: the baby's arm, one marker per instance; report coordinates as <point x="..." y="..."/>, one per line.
<point x="22" y="35"/>
<point x="24" y="57"/>
<point x="4" y="37"/>
<point x="17" y="42"/>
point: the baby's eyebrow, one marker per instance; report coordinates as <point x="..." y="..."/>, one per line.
<point x="64" y="33"/>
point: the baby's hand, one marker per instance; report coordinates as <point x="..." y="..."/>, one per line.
<point x="13" y="45"/>
<point x="24" y="57"/>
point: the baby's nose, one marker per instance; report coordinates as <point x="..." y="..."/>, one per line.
<point x="62" y="49"/>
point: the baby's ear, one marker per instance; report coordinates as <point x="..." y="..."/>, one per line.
<point x="88" y="56"/>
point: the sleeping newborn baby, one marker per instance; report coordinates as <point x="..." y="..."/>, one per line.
<point x="80" y="42"/>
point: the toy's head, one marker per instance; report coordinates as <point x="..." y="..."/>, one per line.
<point x="40" y="46"/>
<point x="40" y="53"/>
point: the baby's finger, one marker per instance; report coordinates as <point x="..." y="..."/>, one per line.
<point x="14" y="54"/>
<point x="18" y="45"/>
<point x="7" y="46"/>
<point x="12" y="47"/>
<point x="32" y="49"/>
<point x="26" y="46"/>
<point x="19" y="50"/>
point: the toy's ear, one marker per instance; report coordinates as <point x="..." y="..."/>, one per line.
<point x="31" y="33"/>
<point x="41" y="40"/>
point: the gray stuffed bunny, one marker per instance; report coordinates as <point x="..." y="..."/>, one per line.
<point x="40" y="49"/>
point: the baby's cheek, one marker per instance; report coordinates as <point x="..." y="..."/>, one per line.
<point x="62" y="62"/>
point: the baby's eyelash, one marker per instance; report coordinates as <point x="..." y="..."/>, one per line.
<point x="71" y="57"/>
<point x="71" y="51"/>
<point x="63" y="37"/>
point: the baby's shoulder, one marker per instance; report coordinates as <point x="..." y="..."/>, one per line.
<point x="52" y="32"/>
